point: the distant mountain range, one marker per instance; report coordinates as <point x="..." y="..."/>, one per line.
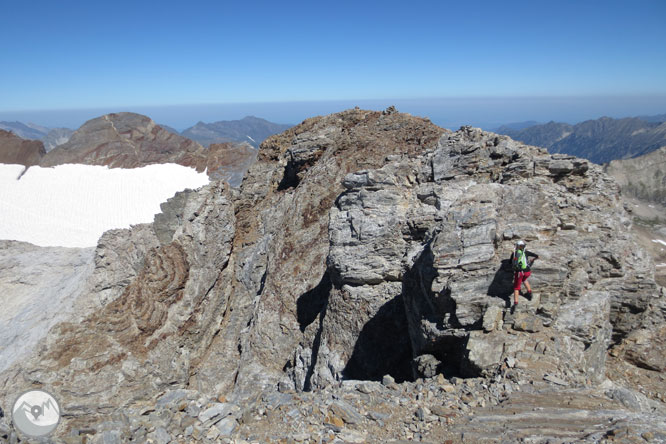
<point x="51" y="137"/>
<point x="600" y="140"/>
<point x="250" y="129"/>
<point x="128" y="140"/>
<point x="25" y="130"/>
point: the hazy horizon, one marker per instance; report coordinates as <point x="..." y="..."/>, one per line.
<point x="448" y="112"/>
<point x="483" y="63"/>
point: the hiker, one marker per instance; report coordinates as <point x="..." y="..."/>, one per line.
<point x="521" y="270"/>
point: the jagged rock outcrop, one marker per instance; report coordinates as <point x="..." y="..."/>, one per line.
<point x="361" y="246"/>
<point x="129" y="140"/>
<point x="14" y="150"/>
<point x="433" y="232"/>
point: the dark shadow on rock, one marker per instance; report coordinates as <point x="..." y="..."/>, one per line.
<point x="502" y="283"/>
<point x="307" y="385"/>
<point x="290" y="177"/>
<point x="383" y="346"/>
<point x="311" y="303"/>
<point x="434" y="327"/>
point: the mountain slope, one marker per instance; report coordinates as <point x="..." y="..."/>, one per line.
<point x="600" y="140"/>
<point x="55" y="137"/>
<point x="643" y="183"/>
<point x="250" y="129"/>
<point x="51" y="137"/>
<point x="128" y="140"/>
<point x="15" y="150"/>
<point x="643" y="177"/>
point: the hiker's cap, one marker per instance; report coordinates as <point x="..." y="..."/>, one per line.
<point x="520" y="243"/>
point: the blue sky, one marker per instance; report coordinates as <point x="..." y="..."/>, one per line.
<point x="140" y="54"/>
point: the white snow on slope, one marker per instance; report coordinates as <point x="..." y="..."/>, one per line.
<point x="72" y="205"/>
<point x="659" y="241"/>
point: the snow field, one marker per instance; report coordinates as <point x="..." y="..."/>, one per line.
<point x="72" y="205"/>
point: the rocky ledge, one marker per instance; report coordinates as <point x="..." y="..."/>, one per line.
<point x="355" y="289"/>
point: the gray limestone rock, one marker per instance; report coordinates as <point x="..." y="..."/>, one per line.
<point x="426" y="366"/>
<point x="484" y="352"/>
<point x="227" y="426"/>
<point x="492" y="319"/>
<point x="38" y="289"/>
<point x="215" y="413"/>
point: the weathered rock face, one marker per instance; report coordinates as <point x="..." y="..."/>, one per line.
<point x="37" y="288"/>
<point x="433" y="232"/>
<point x="128" y="140"/>
<point x="360" y="244"/>
<point x="146" y="334"/>
<point x="230" y="161"/>
<point x="642" y="177"/>
<point x="14" y="150"/>
<point x="41" y="286"/>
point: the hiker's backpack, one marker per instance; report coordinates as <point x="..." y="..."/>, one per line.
<point x="516" y="262"/>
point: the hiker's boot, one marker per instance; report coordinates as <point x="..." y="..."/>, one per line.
<point x="529" y="295"/>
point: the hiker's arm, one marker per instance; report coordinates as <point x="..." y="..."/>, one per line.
<point x="530" y="254"/>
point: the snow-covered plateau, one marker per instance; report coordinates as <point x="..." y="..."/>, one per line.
<point x="72" y="205"/>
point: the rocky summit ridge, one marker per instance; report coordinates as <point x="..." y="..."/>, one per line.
<point x="355" y="289"/>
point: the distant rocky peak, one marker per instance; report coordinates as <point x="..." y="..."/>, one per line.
<point x="130" y="140"/>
